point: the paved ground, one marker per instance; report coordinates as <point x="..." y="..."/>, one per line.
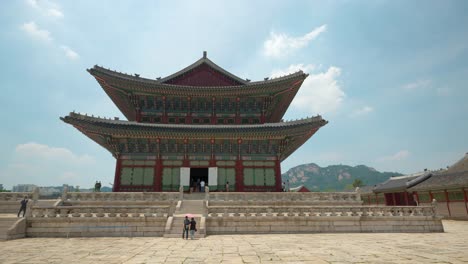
<point x="448" y="247"/>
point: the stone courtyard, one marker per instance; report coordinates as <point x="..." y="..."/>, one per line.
<point x="448" y="247"/>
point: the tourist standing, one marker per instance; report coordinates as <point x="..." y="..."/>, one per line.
<point x="186" y="228"/>
<point x="202" y="186"/>
<point x="193" y="228"/>
<point x="227" y="186"/>
<point x="284" y="187"/>
<point x="198" y="185"/>
<point x="24" y="203"/>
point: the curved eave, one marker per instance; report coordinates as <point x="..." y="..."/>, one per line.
<point x="296" y="132"/>
<point x="148" y="86"/>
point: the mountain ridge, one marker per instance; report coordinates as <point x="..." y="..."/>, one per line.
<point x="334" y="177"/>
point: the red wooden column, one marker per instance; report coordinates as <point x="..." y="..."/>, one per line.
<point x="406" y="198"/>
<point x="447" y="201"/>
<point x="118" y="170"/>
<point x="278" y="175"/>
<point x="239" y="169"/>
<point x="212" y="162"/>
<point x="239" y="176"/>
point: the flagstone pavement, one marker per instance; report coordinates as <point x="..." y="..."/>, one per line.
<point x="448" y="247"/>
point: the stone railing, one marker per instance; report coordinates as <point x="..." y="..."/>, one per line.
<point x="119" y="196"/>
<point x="322" y="211"/>
<point x="312" y="197"/>
<point x="99" y="211"/>
<point x="15" y="196"/>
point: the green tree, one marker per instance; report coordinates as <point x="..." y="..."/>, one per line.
<point x="357" y="183"/>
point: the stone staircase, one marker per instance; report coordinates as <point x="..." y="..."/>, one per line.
<point x="6" y="222"/>
<point x="193" y="207"/>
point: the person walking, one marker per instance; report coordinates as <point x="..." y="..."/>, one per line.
<point x="193" y="228"/>
<point x="24" y="203"/>
<point x="202" y="186"/>
<point x="186" y="228"/>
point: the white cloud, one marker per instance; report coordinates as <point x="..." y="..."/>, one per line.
<point x="363" y="111"/>
<point x="33" y="30"/>
<point x="400" y="155"/>
<point x="32" y="3"/>
<point x="280" y="45"/>
<point x="69" y="53"/>
<point x="43" y="165"/>
<point x="46" y="153"/>
<point x="54" y="13"/>
<point x="46" y="8"/>
<point x="419" y="84"/>
<point x="320" y="93"/>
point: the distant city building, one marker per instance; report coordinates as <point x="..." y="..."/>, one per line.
<point x="1" y="187"/>
<point x="23" y="188"/>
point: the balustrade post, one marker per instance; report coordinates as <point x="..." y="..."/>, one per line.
<point x="35" y="194"/>
<point x="64" y="193"/>
<point x="181" y="193"/>
<point x="434" y="207"/>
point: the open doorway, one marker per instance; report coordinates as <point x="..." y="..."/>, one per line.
<point x="197" y="175"/>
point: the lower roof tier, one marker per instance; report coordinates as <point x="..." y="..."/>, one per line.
<point x="128" y="137"/>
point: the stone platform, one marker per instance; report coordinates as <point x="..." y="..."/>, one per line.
<point x="448" y="247"/>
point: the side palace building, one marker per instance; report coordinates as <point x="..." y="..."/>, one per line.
<point x="200" y="123"/>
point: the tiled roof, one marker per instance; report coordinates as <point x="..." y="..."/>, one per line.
<point x="443" y="180"/>
<point x="153" y="84"/>
<point x="402" y="183"/>
<point x="76" y="118"/>
<point x="294" y="133"/>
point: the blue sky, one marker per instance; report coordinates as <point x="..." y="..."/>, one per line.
<point x="389" y="76"/>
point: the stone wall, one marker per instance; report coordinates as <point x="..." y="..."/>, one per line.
<point x="322" y="220"/>
<point x="92" y="221"/>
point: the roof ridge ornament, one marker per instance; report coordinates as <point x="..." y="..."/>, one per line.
<point x="204" y="54"/>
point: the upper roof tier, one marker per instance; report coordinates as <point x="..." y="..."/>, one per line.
<point x="202" y="79"/>
<point x="106" y="132"/>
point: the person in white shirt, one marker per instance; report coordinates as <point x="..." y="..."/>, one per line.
<point x="202" y="186"/>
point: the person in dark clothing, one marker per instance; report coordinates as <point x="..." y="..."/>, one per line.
<point x="186" y="228"/>
<point x="193" y="228"/>
<point x="24" y="203"/>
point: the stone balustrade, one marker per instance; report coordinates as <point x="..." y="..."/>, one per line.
<point x="10" y="201"/>
<point x="290" y="197"/>
<point x="99" y="211"/>
<point x="119" y="196"/>
<point x="322" y="211"/>
<point x="14" y="196"/>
